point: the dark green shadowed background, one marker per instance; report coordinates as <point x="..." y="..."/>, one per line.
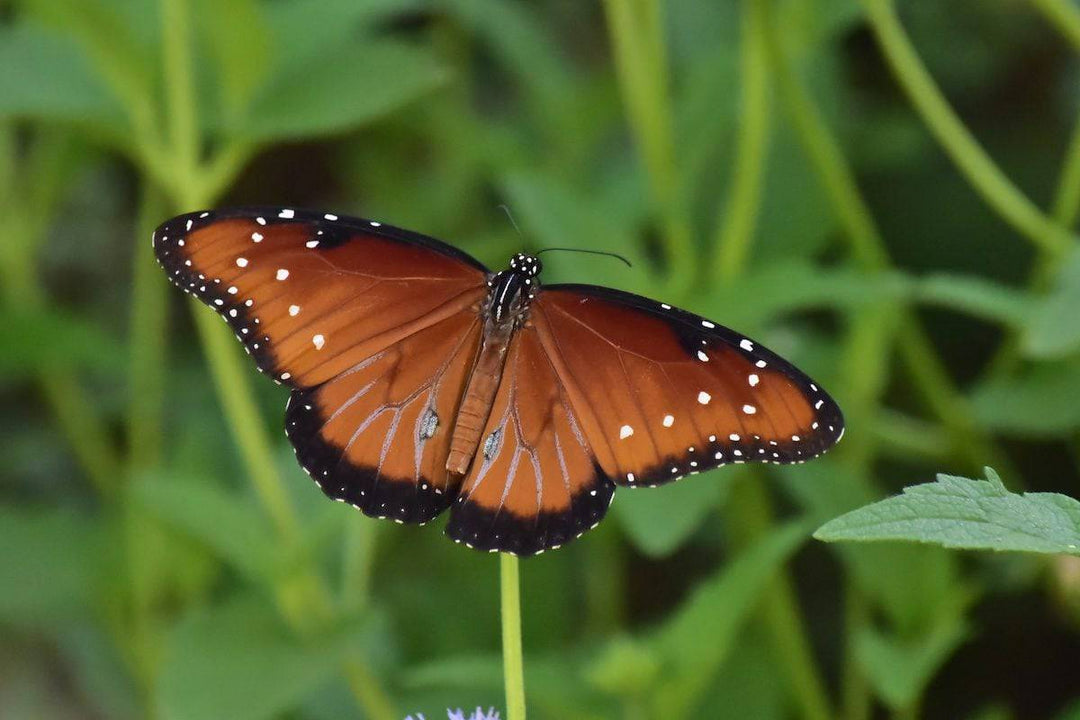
<point x="884" y="193"/>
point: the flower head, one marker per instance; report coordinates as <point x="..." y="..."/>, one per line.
<point x="478" y="714"/>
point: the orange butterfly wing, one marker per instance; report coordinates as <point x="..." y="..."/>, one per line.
<point x="664" y="393"/>
<point x="312" y="294"/>
<point x="535" y="483"/>
<point x="374" y="327"/>
<point x="603" y="388"/>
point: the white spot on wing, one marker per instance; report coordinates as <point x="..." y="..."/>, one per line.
<point x="749" y="409"/>
<point x="241" y="262"/>
<point x="282" y="274"/>
<point x="318" y="341"/>
<point x="669" y="420"/>
<point x="625" y="431"/>
<point x="704" y="397"/>
<point x="294" y="310"/>
<point x="746" y="345"/>
<point x="753" y="379"/>
<point x="287" y="214"/>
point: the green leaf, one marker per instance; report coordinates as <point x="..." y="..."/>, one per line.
<point x="343" y="88"/>
<point x="659" y="521"/>
<point x="1054" y="330"/>
<point x="239" y="40"/>
<point x="46" y="78"/>
<point x="117" y="46"/>
<point x="976" y="297"/>
<point x="51" y="562"/>
<point x="228" y="524"/>
<point x="237" y="660"/>
<point x="33" y="339"/>
<point x="900" y="671"/>
<point x="694" y="642"/>
<point x="788" y="286"/>
<point x="961" y="513"/>
<point x="300" y="35"/>
<point x="1036" y="402"/>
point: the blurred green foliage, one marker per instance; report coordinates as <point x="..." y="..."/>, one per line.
<point x="883" y="193"/>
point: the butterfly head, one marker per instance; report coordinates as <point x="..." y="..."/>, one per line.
<point x="528" y="265"/>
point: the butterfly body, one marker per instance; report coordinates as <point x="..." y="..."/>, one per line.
<point x="506" y="309"/>
<point x="421" y="382"/>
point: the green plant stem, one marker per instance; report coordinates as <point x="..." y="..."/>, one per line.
<point x="981" y="172"/>
<point x="637" y="37"/>
<point x="83" y="429"/>
<point x="180" y="91"/>
<point x="1064" y="16"/>
<point x="366" y="688"/>
<point x="751" y="516"/>
<point x="736" y="229"/>
<point x="147" y="340"/>
<point x="232" y="380"/>
<point x="357" y="564"/>
<point x="1067" y="196"/>
<point x="513" y="664"/>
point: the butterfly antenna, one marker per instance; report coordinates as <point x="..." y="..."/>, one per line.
<point x="506" y="210"/>
<point x="590" y="252"/>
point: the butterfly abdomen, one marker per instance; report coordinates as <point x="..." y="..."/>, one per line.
<point x="479" y="397"/>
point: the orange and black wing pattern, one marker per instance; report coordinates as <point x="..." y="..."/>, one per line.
<point x="377" y="436"/>
<point x="373" y="327"/>
<point x="309" y="294"/>
<point x="661" y="393"/>
<point x="535" y="483"/>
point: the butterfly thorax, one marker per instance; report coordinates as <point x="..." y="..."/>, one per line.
<point x="512" y="289"/>
<point x="505" y="310"/>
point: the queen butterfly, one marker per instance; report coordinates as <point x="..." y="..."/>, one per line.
<point x="421" y="381"/>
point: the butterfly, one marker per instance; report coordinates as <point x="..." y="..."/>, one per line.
<point x="421" y="381"/>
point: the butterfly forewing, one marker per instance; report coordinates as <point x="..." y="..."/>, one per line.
<point x="535" y="483"/>
<point x="668" y="393"/>
<point x="312" y="294"/>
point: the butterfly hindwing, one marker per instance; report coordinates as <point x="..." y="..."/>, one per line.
<point x="377" y="436"/>
<point x="534" y="483"/>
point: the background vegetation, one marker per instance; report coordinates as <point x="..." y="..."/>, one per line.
<point x="885" y="194"/>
